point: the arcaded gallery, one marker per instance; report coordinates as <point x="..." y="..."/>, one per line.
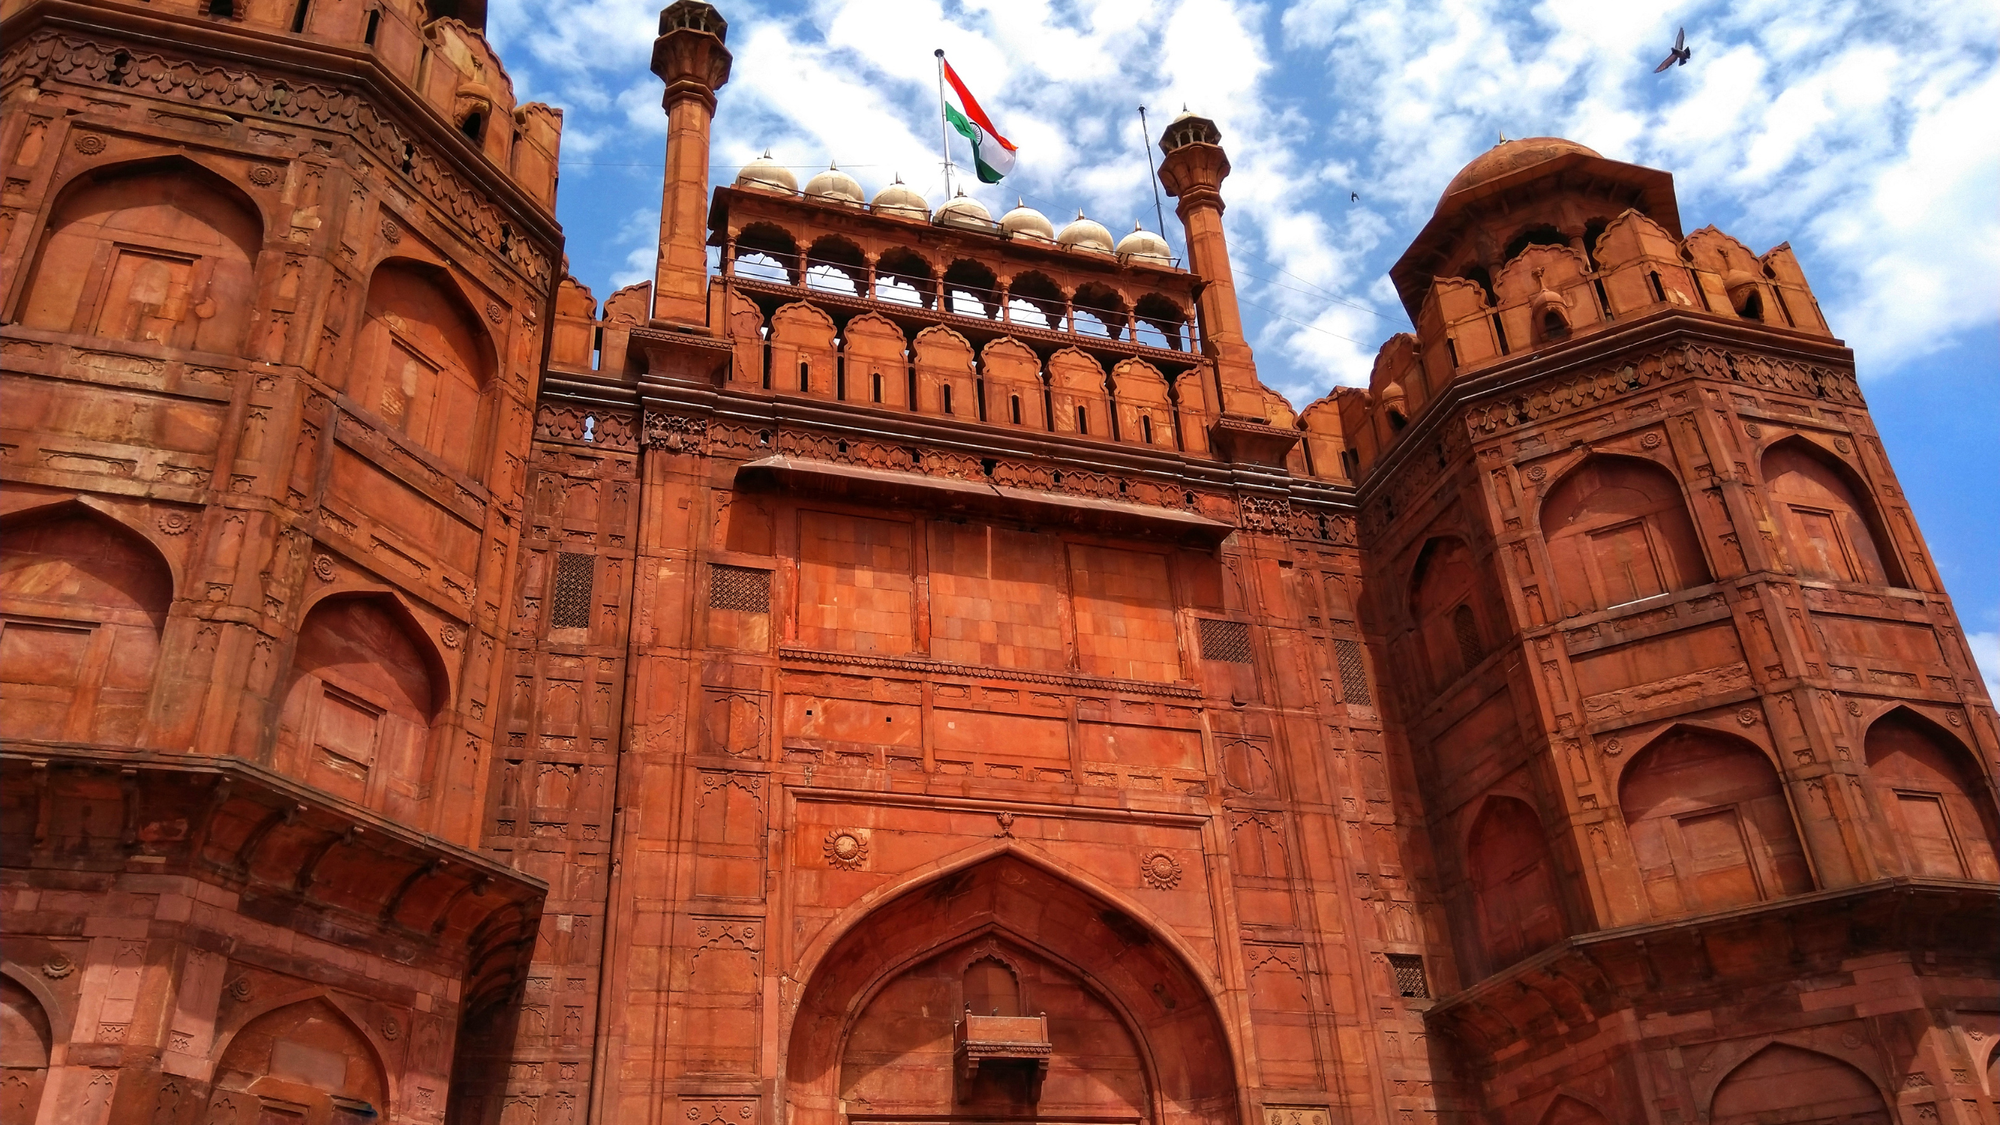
<point x="955" y="693"/>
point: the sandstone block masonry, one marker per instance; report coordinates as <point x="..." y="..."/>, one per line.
<point x="916" y="672"/>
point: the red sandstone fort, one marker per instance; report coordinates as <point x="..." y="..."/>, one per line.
<point x="915" y="673"/>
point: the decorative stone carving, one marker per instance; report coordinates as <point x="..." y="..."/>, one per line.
<point x="1160" y="870"/>
<point x="846" y="849"/>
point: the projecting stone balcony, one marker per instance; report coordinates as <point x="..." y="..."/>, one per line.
<point x="1017" y="1039"/>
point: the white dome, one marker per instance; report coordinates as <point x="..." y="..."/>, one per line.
<point x="836" y="185"/>
<point x="1085" y="234"/>
<point x="963" y="206"/>
<point x="1145" y="245"/>
<point x="764" y="175"/>
<point x="898" y="199"/>
<point x="1026" y="222"/>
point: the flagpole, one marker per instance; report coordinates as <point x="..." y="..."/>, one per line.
<point x="944" y="130"/>
<point x="1152" y="175"/>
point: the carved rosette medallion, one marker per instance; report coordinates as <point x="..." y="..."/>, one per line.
<point x="1160" y="870"/>
<point x="263" y="175"/>
<point x="323" y="568"/>
<point x="89" y="144"/>
<point x="845" y="849"/>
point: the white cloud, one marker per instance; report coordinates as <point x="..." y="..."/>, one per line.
<point x="1986" y="651"/>
<point x="1860" y="135"/>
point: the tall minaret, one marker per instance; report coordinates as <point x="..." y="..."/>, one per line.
<point x="690" y="58"/>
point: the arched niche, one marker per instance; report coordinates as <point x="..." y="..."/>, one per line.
<point x="162" y="251"/>
<point x="1786" y="1083"/>
<point x="1133" y="1028"/>
<point x="836" y="264"/>
<point x="1033" y="296"/>
<point x="1935" y="798"/>
<point x="971" y="289"/>
<point x="1445" y="608"/>
<point x="306" y="1061"/>
<point x="1566" y="1110"/>
<point x="905" y="277"/>
<point x="26" y="1040"/>
<point x="1709" y="824"/>
<point x="1617" y="530"/>
<point x="1513" y="880"/>
<point x="359" y="703"/>
<point x="83" y="601"/>
<point x="423" y="363"/>
<point x="1833" y="532"/>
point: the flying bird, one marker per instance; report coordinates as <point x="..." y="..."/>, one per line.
<point x="1680" y="54"/>
<point x="1354" y="197"/>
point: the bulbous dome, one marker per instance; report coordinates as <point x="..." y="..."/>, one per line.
<point x="764" y="175"/>
<point x="836" y="185"/>
<point x="898" y="199"/>
<point x="963" y="206"/>
<point x="1087" y="234"/>
<point x="1026" y="222"/>
<point x="1145" y="245"/>
<point x="1510" y="156"/>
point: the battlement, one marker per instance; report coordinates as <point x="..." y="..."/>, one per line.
<point x="1523" y="259"/>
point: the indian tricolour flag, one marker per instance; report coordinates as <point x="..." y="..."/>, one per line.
<point x="992" y="154"/>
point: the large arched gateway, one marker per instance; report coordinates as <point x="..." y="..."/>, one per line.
<point x="1005" y="988"/>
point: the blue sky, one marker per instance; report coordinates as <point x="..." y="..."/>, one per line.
<point x="1863" y="134"/>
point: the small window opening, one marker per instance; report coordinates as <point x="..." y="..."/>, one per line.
<point x="1014" y="406"/>
<point x="979" y="397"/>
<point x="805" y="376"/>
<point x="1542" y="235"/>
<point x="947" y="398"/>
<point x="1553" y="325"/>
<point x="1146" y="427"/>
<point x="506" y="233"/>
<point x="1397" y="421"/>
<point x="596" y="349"/>
<point x="913" y="390"/>
<point x="1659" y="291"/>
<point x="409" y="150"/>
<point x="1603" y="298"/>
<point x="374" y="22"/>
<point x="473" y="125"/>
<point x="1465" y="627"/>
<point x="876" y="380"/>
<point x="1083" y="419"/>
<point x="988" y="465"/>
<point x="590" y="427"/>
<point x="222" y="9"/>
<point x="840" y="383"/>
<point x="1500" y="333"/>
<point x="299" y="16"/>
<point x="1478" y="276"/>
<point x="1451" y="349"/>
<point x="1350" y="460"/>
<point x="1408" y="969"/>
<point x="1752" y="307"/>
<point x="1592" y="231"/>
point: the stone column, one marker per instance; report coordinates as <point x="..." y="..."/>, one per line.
<point x="1192" y="172"/>
<point x="690" y="58"/>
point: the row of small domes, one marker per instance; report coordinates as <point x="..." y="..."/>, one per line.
<point x="898" y="199"/>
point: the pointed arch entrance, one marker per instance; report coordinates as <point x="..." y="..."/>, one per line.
<point x="1112" y="1025"/>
